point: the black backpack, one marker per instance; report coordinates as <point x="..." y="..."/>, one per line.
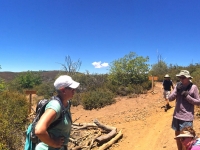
<point x="31" y="139"/>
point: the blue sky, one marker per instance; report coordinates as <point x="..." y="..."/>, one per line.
<point x="38" y="34"/>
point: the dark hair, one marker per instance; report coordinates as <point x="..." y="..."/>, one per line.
<point x="190" y="129"/>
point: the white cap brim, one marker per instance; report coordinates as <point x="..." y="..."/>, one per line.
<point x="74" y="85"/>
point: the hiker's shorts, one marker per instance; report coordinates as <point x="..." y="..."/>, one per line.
<point x="178" y="125"/>
<point x="166" y="94"/>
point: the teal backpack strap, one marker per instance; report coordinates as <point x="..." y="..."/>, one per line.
<point x="28" y="144"/>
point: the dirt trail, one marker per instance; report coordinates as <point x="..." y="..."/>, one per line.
<point x="144" y="124"/>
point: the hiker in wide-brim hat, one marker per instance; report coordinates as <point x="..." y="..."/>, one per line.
<point x="186" y="95"/>
<point x="184" y="73"/>
<point x="167" y="85"/>
<point x="166" y="76"/>
<point x="188" y="139"/>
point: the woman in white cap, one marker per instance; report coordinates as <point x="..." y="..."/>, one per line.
<point x="57" y="137"/>
<point x="186" y="95"/>
<point x="188" y="139"/>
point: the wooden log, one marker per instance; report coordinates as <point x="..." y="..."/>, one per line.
<point x="104" y="127"/>
<point x="105" y="137"/>
<point x="83" y="126"/>
<point x="112" y="141"/>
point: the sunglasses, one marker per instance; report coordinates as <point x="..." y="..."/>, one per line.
<point x="182" y="77"/>
<point x="182" y="139"/>
<point x="68" y="88"/>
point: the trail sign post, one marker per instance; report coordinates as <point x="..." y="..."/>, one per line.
<point x="153" y="78"/>
<point x="30" y="92"/>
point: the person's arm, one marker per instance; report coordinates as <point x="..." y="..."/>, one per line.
<point x="172" y="85"/>
<point x="173" y="95"/>
<point x="41" y="129"/>
<point x="163" y="85"/>
<point x="195" y="100"/>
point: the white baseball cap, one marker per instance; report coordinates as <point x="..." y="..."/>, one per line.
<point x="65" y="81"/>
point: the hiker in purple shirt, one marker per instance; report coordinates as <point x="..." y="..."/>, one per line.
<point x="186" y="95"/>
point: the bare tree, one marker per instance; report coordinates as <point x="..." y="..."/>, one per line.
<point x="70" y="66"/>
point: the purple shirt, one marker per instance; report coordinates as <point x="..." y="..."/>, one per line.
<point x="184" y="109"/>
<point x="195" y="145"/>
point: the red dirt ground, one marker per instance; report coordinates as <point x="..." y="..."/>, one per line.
<point x="144" y="124"/>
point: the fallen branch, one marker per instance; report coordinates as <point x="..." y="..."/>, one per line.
<point x="76" y="119"/>
<point x="81" y="139"/>
<point x="105" y="137"/>
<point x="99" y="133"/>
<point x="78" y="148"/>
<point x="104" y="127"/>
<point x="80" y="126"/>
<point x="73" y="140"/>
<point x="112" y="141"/>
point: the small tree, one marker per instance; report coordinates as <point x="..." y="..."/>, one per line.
<point x="26" y="80"/>
<point x="159" y="69"/>
<point x="131" y="69"/>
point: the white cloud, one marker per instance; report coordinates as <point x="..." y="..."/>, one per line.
<point x="99" y="64"/>
<point x="104" y="64"/>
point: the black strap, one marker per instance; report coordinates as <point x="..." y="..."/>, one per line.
<point x="189" y="87"/>
<point x="56" y="122"/>
<point x="62" y="113"/>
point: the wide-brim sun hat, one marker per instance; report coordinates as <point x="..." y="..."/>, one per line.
<point x="184" y="73"/>
<point x="166" y="76"/>
<point x="184" y="134"/>
<point x="65" y="81"/>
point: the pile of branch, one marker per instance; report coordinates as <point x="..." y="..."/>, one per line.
<point x="88" y="136"/>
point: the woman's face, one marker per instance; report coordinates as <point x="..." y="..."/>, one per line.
<point x="184" y="80"/>
<point x="186" y="141"/>
<point x="70" y="92"/>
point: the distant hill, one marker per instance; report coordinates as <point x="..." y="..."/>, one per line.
<point x="46" y="75"/>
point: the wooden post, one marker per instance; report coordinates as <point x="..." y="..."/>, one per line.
<point x="30" y="102"/>
<point x="30" y="92"/>
<point x="152" y="78"/>
<point x="152" y="84"/>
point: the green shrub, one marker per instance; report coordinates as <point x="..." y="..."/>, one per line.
<point x="123" y="91"/>
<point x="76" y="100"/>
<point x="134" y="89"/>
<point x="97" y="99"/>
<point x="2" y="85"/>
<point x="25" y="80"/>
<point x="46" y="89"/>
<point x="111" y="86"/>
<point x="13" y="114"/>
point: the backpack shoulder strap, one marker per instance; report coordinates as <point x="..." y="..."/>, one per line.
<point x="63" y="108"/>
<point x="29" y="145"/>
<point x="53" y="124"/>
<point x="189" y="86"/>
